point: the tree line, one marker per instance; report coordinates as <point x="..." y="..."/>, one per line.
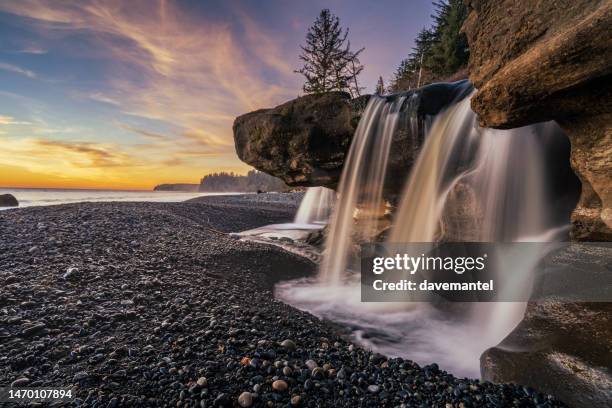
<point x="440" y="53"/>
<point x="231" y="182"/>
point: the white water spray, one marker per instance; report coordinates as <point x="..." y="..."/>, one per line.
<point x="316" y="206"/>
<point x="467" y="184"/>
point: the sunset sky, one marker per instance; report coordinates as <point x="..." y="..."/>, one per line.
<point x="130" y="94"/>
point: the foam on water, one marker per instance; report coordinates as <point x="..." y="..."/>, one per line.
<point x="503" y="172"/>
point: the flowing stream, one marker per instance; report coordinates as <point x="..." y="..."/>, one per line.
<point x="467" y="184"/>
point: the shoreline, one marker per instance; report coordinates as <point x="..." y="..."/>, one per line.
<point x="155" y="304"/>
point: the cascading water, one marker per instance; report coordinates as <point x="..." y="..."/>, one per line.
<point x="467" y="184"/>
<point x="361" y="184"/>
<point x="316" y="206"/>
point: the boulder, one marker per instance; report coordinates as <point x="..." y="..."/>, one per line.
<point x="305" y="141"/>
<point x="533" y="61"/>
<point x="562" y="346"/>
<point x="8" y="200"/>
<point x="559" y="348"/>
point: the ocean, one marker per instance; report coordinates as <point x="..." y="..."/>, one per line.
<point x="30" y="197"/>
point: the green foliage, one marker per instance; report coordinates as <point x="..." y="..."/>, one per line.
<point x="439" y="52"/>
<point x="329" y="63"/>
<point x="231" y="182"/>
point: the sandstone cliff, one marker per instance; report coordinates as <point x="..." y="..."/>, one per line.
<point x="539" y="60"/>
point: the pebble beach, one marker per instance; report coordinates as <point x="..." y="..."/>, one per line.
<point x="156" y="305"/>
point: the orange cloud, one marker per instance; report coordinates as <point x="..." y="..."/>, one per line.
<point x="194" y="74"/>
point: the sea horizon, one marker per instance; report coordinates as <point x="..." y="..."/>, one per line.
<point x="34" y="197"/>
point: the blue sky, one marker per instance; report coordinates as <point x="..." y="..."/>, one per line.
<point x="130" y="94"/>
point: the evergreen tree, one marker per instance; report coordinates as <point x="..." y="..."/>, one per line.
<point x="329" y="63"/>
<point x="380" y="86"/>
<point x="439" y="51"/>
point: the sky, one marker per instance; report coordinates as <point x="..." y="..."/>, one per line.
<point x="131" y="94"/>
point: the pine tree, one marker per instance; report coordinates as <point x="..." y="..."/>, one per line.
<point x="380" y="86"/>
<point x="329" y="63"/>
<point x="439" y="51"/>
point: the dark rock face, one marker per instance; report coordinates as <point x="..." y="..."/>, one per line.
<point x="303" y="141"/>
<point x="533" y="61"/>
<point x="562" y="348"/>
<point x="547" y="351"/>
<point x="8" y="200"/>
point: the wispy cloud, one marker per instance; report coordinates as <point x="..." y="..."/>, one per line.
<point x="9" y="120"/>
<point x="33" y="50"/>
<point x="145" y="133"/>
<point x="17" y="70"/>
<point x="100" y="97"/>
<point x="196" y="74"/>
<point x="83" y="154"/>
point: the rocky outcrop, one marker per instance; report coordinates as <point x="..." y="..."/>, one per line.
<point x="533" y="61"/>
<point x="305" y="141"/>
<point x="547" y="351"/>
<point x="8" y="200"/>
<point x="562" y="347"/>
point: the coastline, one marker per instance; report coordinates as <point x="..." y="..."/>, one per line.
<point x="154" y="304"/>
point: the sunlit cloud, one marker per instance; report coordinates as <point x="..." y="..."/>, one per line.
<point x="73" y="154"/>
<point x="9" y="120"/>
<point x="144" y="133"/>
<point x="97" y="96"/>
<point x="17" y="70"/>
<point x="194" y="74"/>
<point x="33" y="50"/>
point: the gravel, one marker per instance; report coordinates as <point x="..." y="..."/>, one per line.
<point x="168" y="310"/>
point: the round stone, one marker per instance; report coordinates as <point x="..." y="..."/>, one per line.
<point x="279" y="385"/>
<point x="245" y="399"/>
<point x="311" y="364"/>
<point x="288" y="344"/>
<point x="373" y="389"/>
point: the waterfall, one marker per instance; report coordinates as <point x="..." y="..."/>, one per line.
<point x="361" y="183"/>
<point x="467" y="184"/>
<point x="316" y="206"/>
<point x="507" y="202"/>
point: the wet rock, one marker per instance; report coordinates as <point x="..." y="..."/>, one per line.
<point x="8" y="200"/>
<point x="560" y="347"/>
